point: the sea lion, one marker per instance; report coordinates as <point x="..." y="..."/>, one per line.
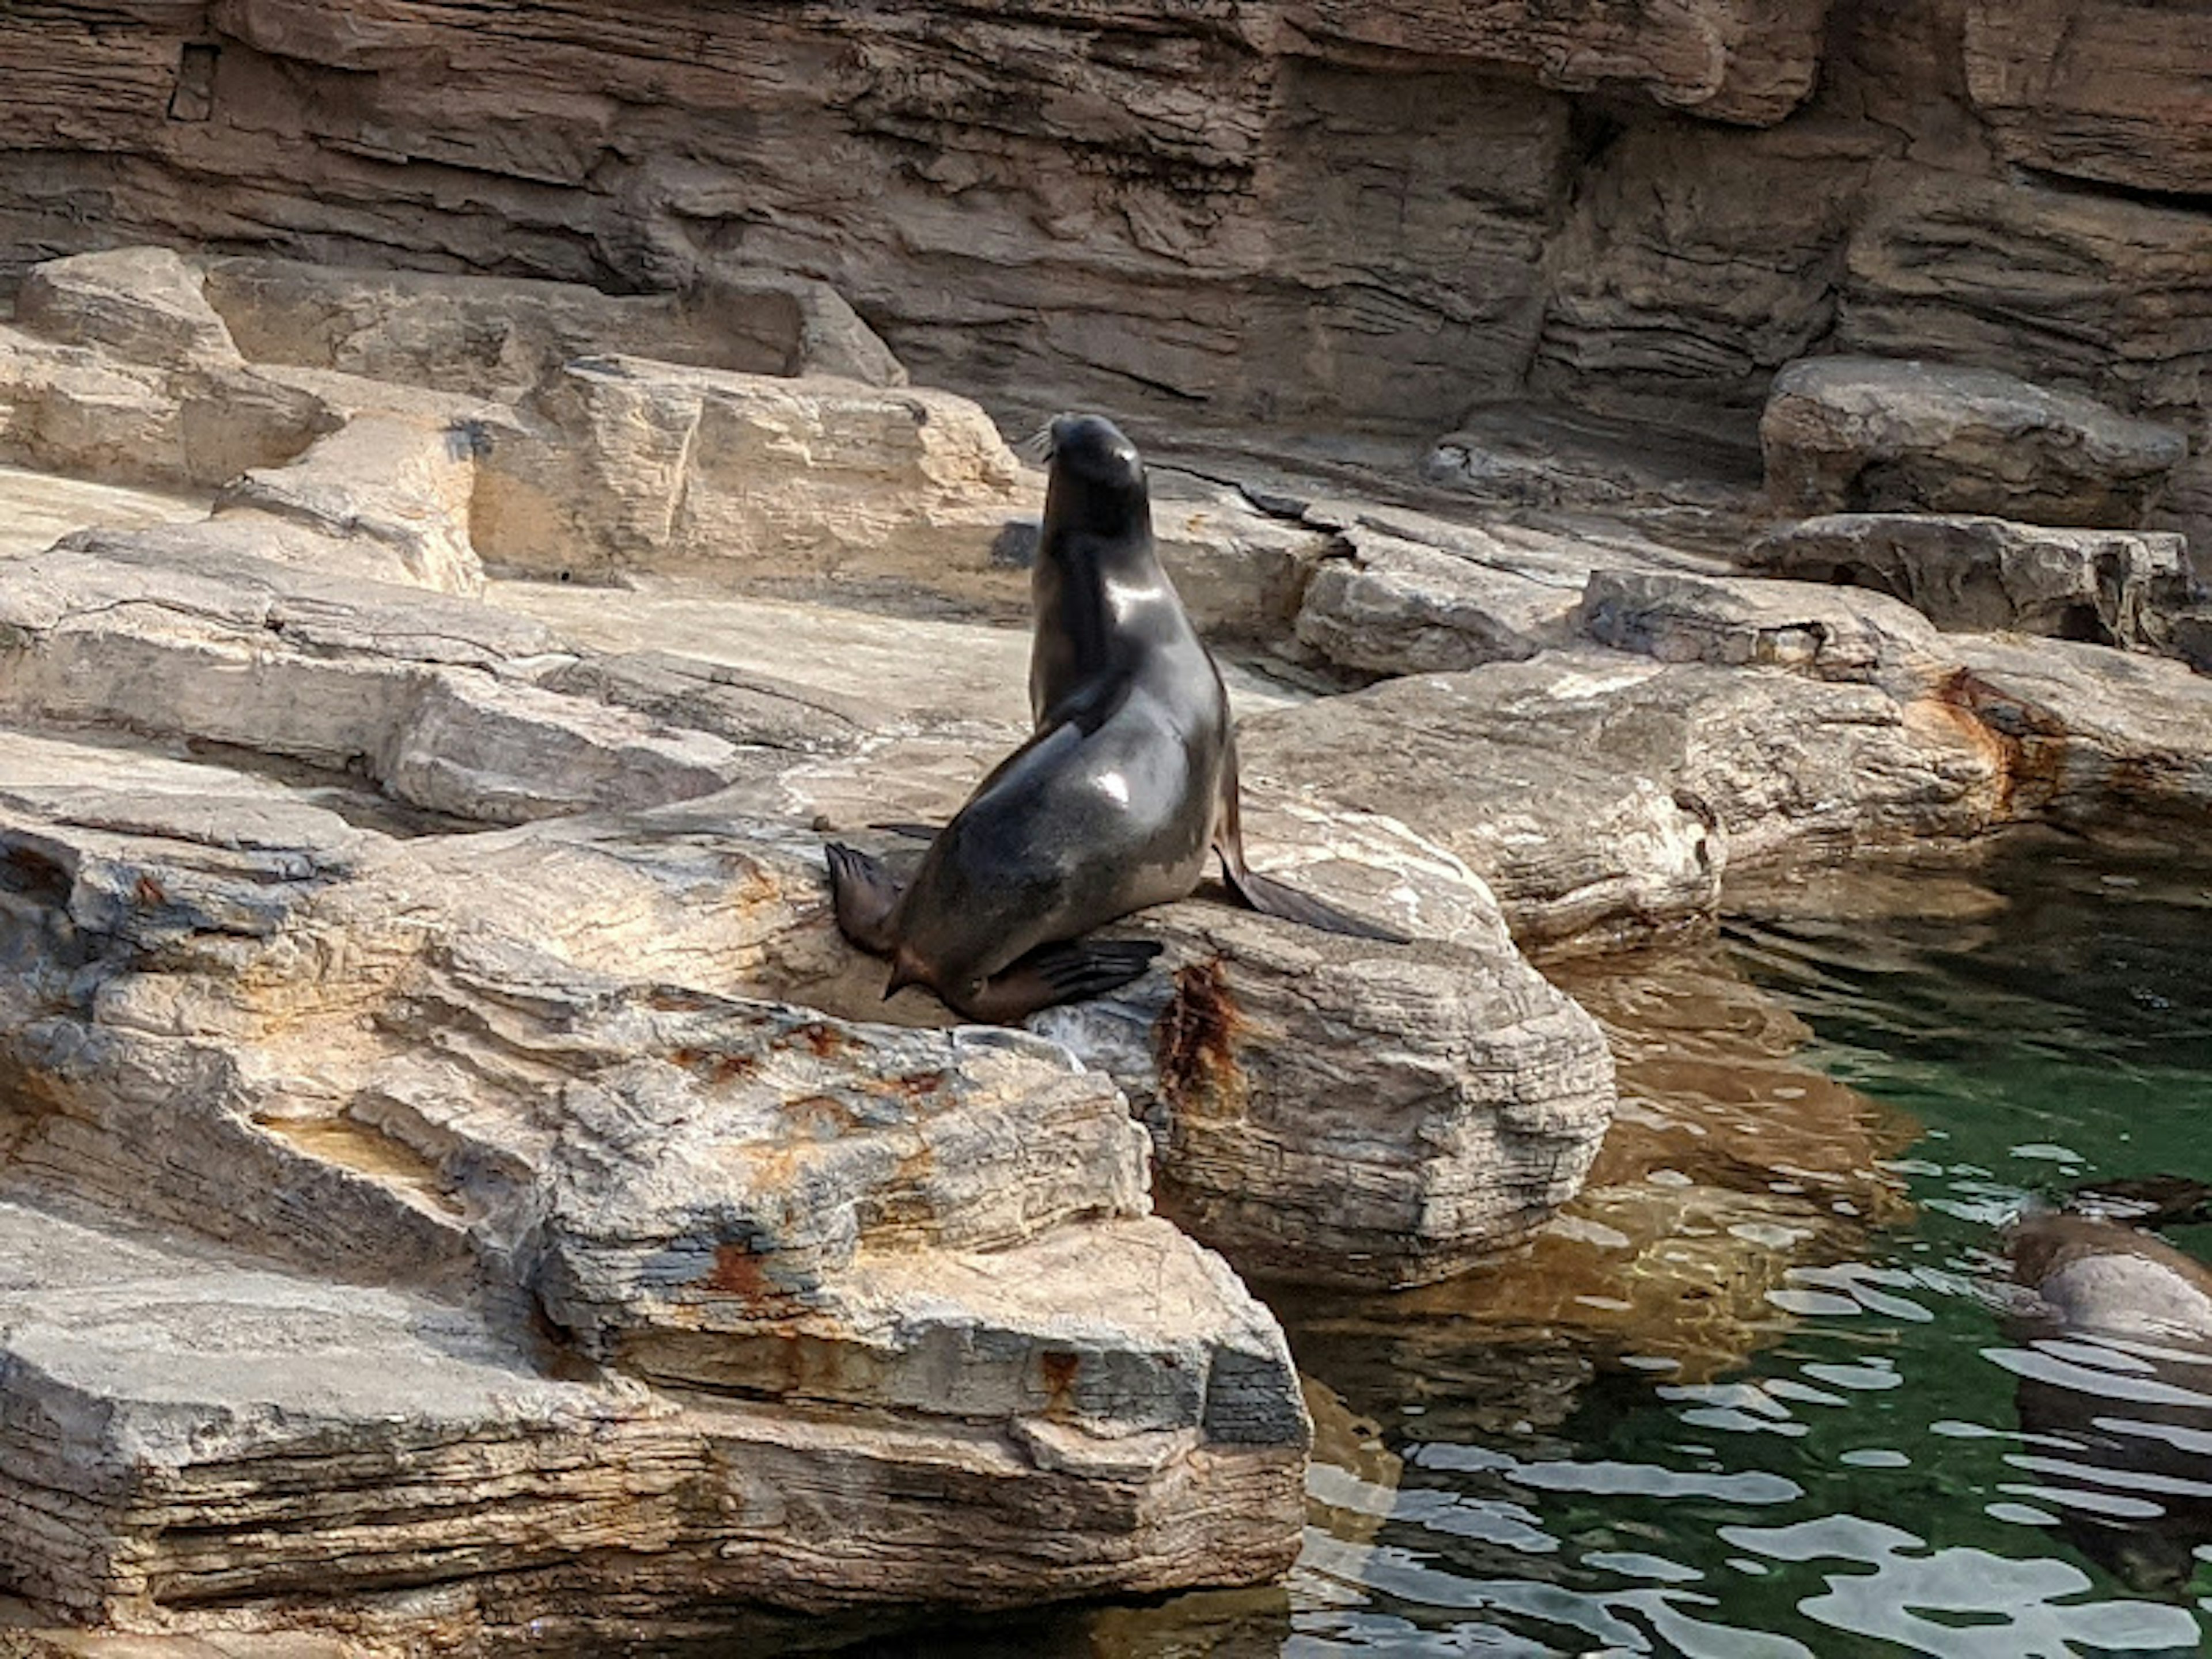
<point x="2115" y="1369"/>
<point x="1127" y="781"/>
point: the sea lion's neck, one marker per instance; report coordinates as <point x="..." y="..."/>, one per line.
<point x="1102" y="600"/>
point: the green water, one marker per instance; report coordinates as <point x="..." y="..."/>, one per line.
<point x="1860" y="1483"/>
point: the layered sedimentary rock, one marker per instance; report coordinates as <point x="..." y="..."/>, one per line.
<point x="532" y="1108"/>
<point x="376" y="931"/>
<point x="2109" y="295"/>
<point x="707" y="1303"/>
<point x="2108" y="91"/>
<point x="1251" y="209"/>
<point x="1405" y="593"/>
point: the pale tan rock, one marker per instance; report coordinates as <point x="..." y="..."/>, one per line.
<point x="1390" y="605"/>
<point x="1865" y="434"/>
<point x="419" y="692"/>
<point x="630" y="464"/>
<point x="1637" y="860"/>
<point x="446" y="1459"/>
<point x="141" y="305"/>
<point x="1602" y="797"/>
<point x="72" y="410"/>
<point x="500" y="338"/>
<point x="1964" y="734"/>
<point x="1240" y="572"/>
<point x="388" y="481"/>
<point x="1644" y="489"/>
<point x="539" y="1099"/>
<point x="37" y="509"/>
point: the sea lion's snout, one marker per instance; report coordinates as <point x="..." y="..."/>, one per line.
<point x="1093" y="445"/>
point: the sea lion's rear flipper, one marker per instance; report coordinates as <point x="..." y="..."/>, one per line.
<point x="1054" y="974"/>
<point x="864" y="894"/>
<point x="1271" y="897"/>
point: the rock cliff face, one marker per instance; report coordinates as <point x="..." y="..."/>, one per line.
<point x="1245" y="209"/>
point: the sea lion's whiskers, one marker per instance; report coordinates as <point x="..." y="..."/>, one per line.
<point x="1037" y="446"/>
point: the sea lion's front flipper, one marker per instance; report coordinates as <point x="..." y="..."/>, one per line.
<point x="1053" y="974"/>
<point x="866" y="896"/>
<point x="1271" y="897"/>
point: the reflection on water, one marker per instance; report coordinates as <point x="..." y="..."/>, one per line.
<point x="1770" y="1389"/>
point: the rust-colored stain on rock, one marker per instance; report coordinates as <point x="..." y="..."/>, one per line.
<point x="1058" y="1369"/>
<point x="742" y="1273"/>
<point x="823" y="1116"/>
<point x="715" y="1064"/>
<point x="1195" y="1043"/>
<point x="912" y="1086"/>
<point x="2028" y="744"/>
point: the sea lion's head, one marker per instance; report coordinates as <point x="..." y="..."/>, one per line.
<point x="1097" y="482"/>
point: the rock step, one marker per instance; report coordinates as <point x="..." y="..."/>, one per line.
<point x="185" y="633"/>
<point x="623" y="464"/>
<point x="1097" y="1333"/>
<point x="749" y="1197"/>
<point x="236" y="1438"/>
<point x="1872" y="434"/>
<point x="1977" y="574"/>
<point x="500" y="337"/>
